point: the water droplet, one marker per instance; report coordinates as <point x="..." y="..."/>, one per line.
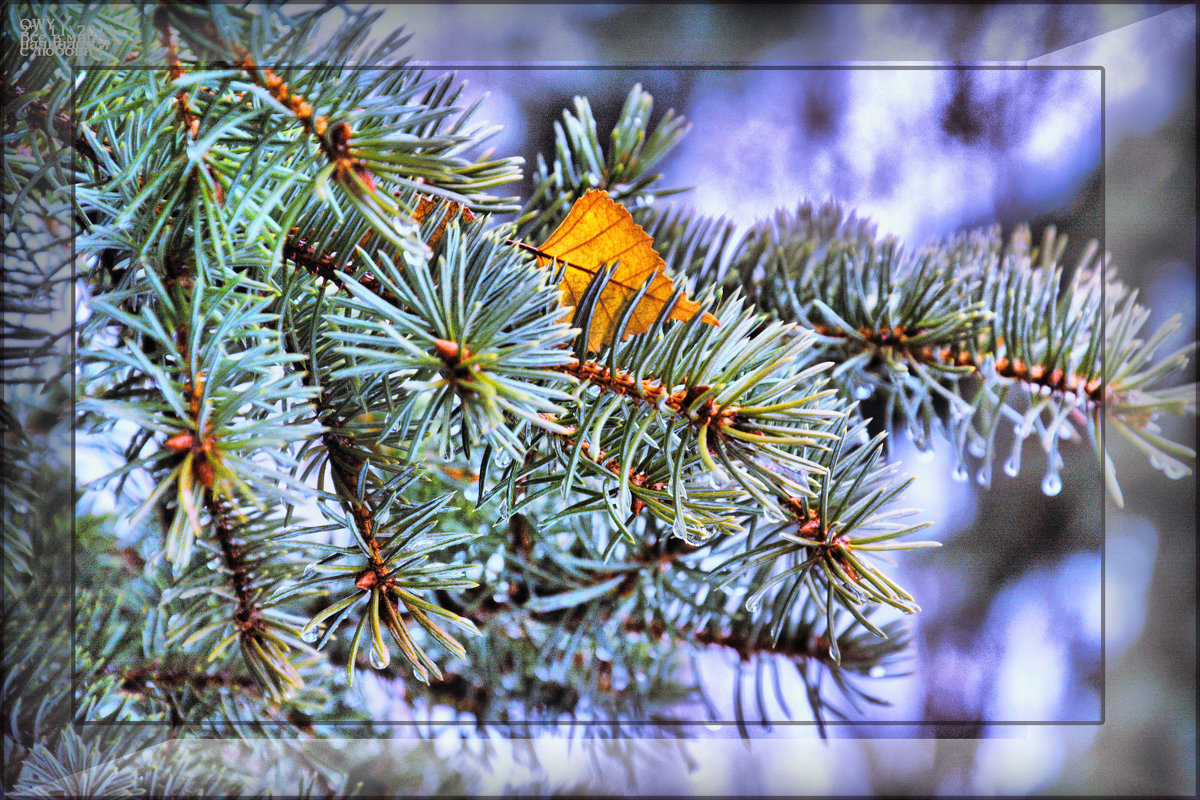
<point x="713" y="727"/>
<point x="591" y="179"/>
<point x="876" y="671"/>
<point x="960" y="472"/>
<point x="379" y="659"/>
<point x="862" y="391"/>
<point x="1175" y="470"/>
<point x="679" y="529"/>
<point x="1022" y="429"/>
<point x="925" y="454"/>
<point x="310" y="633"/>
<point x="1051" y="484"/>
<point x="977" y="447"/>
<point x="1157" y="462"/>
<point x="644" y="200"/>
<point x="984" y="476"/>
<point x="1013" y="465"/>
<point x="754" y="601"/>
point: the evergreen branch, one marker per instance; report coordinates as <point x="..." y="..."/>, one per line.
<point x="581" y="162"/>
<point x="385" y="577"/>
<point x="247" y="617"/>
<point x="632" y="478"/>
<point x="262" y="649"/>
<point x="815" y="648"/>
<point x="325" y="264"/>
<point x="861" y="654"/>
<point x="313" y="125"/>
<point x="153" y="673"/>
<point x="802" y="643"/>
<point x="682" y="401"/>
<point x="187" y="116"/>
<point x="260" y="643"/>
<point x="707" y="399"/>
<point x="37" y="115"/>
<point x="601" y="686"/>
<point x="204" y="439"/>
<point x="380" y="151"/>
<point x="960" y="323"/>
<point x="898" y="343"/>
<point x="333" y="141"/>
<point x="395" y="139"/>
<point x="176" y="71"/>
<point x="622" y="578"/>
<point x="474" y="358"/>
<point x="825" y="546"/>
<point x="692" y="486"/>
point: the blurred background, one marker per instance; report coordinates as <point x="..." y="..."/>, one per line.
<point x="1039" y="609"/>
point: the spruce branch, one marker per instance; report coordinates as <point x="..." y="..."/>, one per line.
<point x="206" y="362"/>
<point x="347" y="401"/>
<point x="682" y="401"/>
<point x="469" y="346"/>
<point x="661" y="400"/>
<point x="960" y="334"/>
<point x="176" y="71"/>
<point x="390" y="539"/>
<point x="581" y="162"/>
<point x="140" y="678"/>
<point x="385" y="572"/>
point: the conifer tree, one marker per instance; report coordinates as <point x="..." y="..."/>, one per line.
<point x="369" y="420"/>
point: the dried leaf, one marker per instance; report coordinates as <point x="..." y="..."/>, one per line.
<point x="597" y="232"/>
<point x="425" y="207"/>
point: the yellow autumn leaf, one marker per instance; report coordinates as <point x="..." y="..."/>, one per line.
<point x="597" y="232"/>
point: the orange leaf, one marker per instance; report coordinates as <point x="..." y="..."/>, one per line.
<point x="425" y="207"/>
<point x="598" y="231"/>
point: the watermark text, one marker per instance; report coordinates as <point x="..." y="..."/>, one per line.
<point x="42" y="37"/>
